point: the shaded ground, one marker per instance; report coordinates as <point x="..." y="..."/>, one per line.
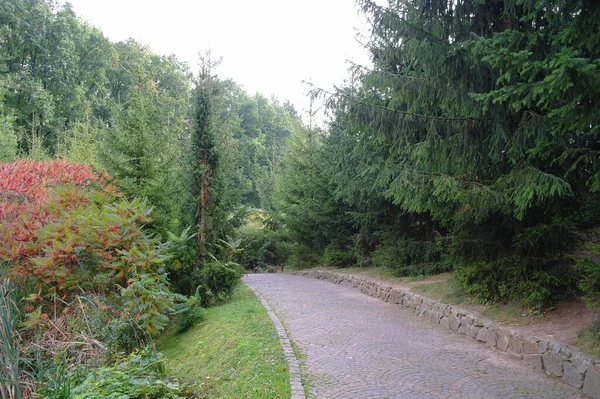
<point x="355" y="346"/>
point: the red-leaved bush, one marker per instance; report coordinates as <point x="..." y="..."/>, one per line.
<point x="65" y="231"/>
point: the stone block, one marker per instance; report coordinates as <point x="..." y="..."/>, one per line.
<point x="454" y="322"/>
<point x="395" y="296"/>
<point x="572" y="376"/>
<point x="491" y="337"/>
<point x="474" y="331"/>
<point x="530" y="346"/>
<point x="515" y="345"/>
<point x="503" y="340"/>
<point x="574" y="370"/>
<point x="591" y="385"/>
<point x="552" y="364"/>
<point x="481" y="334"/>
<point x="534" y="361"/>
<point x="407" y="299"/>
<point x="444" y="322"/>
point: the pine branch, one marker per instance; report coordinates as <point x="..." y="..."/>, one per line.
<point x="316" y="92"/>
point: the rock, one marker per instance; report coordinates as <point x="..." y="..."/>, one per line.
<point x="575" y="369"/>
<point x="454" y="322"/>
<point x="534" y="361"/>
<point x="571" y="376"/>
<point x="491" y="337"/>
<point x="473" y="331"/>
<point x="503" y="339"/>
<point x="552" y="364"/>
<point x="591" y="385"/>
<point x="530" y="346"/>
<point x="444" y="322"/>
<point x="481" y="334"/>
<point x="515" y="345"/>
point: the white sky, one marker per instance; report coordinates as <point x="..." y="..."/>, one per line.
<point x="268" y="46"/>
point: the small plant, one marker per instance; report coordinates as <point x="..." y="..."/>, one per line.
<point x="590" y="275"/>
<point x="142" y="375"/>
<point x="218" y="281"/>
<point x="10" y="357"/>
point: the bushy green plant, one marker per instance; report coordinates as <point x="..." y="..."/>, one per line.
<point x="590" y="275"/>
<point x="407" y="257"/>
<point x="335" y="255"/>
<point x="532" y="281"/>
<point x="261" y="244"/>
<point x="190" y="316"/>
<point x="217" y="282"/>
<point x="10" y="356"/>
<point x="142" y="375"/>
<point x="302" y="256"/>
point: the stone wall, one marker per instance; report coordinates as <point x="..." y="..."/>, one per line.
<point x="556" y="359"/>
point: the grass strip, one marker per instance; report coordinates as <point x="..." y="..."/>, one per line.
<point x="233" y="353"/>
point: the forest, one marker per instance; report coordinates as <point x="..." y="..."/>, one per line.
<point x="135" y="191"/>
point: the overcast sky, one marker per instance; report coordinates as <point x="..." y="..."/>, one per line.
<point x="268" y="46"/>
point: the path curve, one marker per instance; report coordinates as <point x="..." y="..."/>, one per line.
<point x="357" y="347"/>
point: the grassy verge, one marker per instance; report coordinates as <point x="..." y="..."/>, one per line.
<point x="444" y="288"/>
<point x="234" y="353"/>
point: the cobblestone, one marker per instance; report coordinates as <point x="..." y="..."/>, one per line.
<point x="358" y="347"/>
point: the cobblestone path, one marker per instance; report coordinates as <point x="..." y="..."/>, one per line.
<point x="357" y="347"/>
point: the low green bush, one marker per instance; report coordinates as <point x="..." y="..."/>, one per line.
<point x="408" y="257"/>
<point x="589" y="268"/>
<point x="335" y="255"/>
<point x="190" y="316"/>
<point x="142" y="375"/>
<point x="532" y="281"/>
<point x="217" y="281"/>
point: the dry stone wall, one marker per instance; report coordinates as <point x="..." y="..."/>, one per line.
<point x="556" y="359"/>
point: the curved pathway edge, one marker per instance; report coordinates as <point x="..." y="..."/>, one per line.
<point x="290" y="357"/>
<point x="557" y="359"/>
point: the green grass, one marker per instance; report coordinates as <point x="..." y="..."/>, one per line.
<point x="234" y="353"/>
<point x="446" y="291"/>
<point x="588" y="339"/>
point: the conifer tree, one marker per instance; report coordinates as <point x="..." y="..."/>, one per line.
<point x="478" y="124"/>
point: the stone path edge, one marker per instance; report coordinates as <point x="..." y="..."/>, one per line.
<point x="579" y="370"/>
<point x="290" y="357"/>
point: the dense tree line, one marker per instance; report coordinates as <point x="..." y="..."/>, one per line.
<point x="472" y="143"/>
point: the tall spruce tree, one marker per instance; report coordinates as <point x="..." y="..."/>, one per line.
<point x="203" y="150"/>
<point x="479" y="122"/>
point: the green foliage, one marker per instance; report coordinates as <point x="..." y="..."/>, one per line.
<point x="535" y="283"/>
<point x="261" y="242"/>
<point x="192" y="315"/>
<point x="217" y="281"/>
<point x="589" y="268"/>
<point x="142" y="375"/>
<point x="471" y="142"/>
<point x="406" y="257"/>
<point x="335" y="255"/>
<point x="11" y="377"/>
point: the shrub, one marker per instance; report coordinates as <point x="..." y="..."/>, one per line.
<point x="260" y="246"/>
<point x="590" y="275"/>
<point x="408" y="257"/>
<point x="142" y="375"/>
<point x="336" y="256"/>
<point x="191" y="316"/>
<point x="66" y="230"/>
<point x="532" y="281"/>
<point x="217" y="282"/>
